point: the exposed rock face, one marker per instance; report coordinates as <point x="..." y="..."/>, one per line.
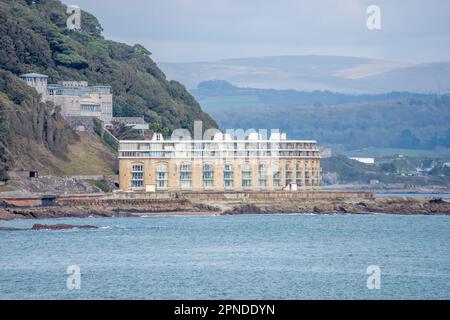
<point x="81" y="208"/>
<point x="29" y="129"/>
<point x="55" y="185"/>
<point x="404" y="206"/>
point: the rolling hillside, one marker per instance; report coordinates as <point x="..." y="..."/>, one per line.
<point x="308" y="73"/>
<point x="393" y="120"/>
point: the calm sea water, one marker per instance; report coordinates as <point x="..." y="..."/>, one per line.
<point x="230" y="257"/>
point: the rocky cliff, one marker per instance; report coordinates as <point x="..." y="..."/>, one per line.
<point x="29" y="129"/>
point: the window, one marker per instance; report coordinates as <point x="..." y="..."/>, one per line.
<point x="288" y="174"/>
<point x="262" y="176"/>
<point x="186" y="176"/>
<point x="298" y="174"/>
<point x="246" y="176"/>
<point x="276" y="175"/>
<point x="128" y="154"/>
<point x="137" y="176"/>
<point x="307" y="178"/>
<point x="90" y="107"/>
<point x="162" y="177"/>
<point x="208" y="179"/>
<point x="228" y="176"/>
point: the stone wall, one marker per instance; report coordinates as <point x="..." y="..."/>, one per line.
<point x="199" y="196"/>
<point x="177" y="201"/>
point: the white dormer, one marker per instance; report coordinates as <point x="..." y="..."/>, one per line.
<point x="157" y="137"/>
<point x="275" y="136"/>
<point x="218" y="136"/>
<point x="253" y="136"/>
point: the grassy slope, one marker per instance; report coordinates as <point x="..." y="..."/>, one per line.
<point x="387" y="152"/>
<point x="88" y="156"/>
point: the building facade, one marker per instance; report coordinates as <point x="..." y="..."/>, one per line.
<point x="222" y="164"/>
<point x="75" y="98"/>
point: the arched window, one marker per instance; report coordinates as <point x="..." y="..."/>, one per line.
<point x="186" y="176"/>
<point x="228" y="176"/>
<point x="162" y="176"/>
<point x="246" y="176"/>
<point x="208" y="179"/>
<point x="262" y="176"/>
<point x="137" y="176"/>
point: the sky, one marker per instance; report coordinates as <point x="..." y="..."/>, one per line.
<point x="412" y="31"/>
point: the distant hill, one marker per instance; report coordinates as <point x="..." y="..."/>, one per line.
<point x="396" y="120"/>
<point x="309" y="73"/>
<point x="232" y="96"/>
<point x="34" y="38"/>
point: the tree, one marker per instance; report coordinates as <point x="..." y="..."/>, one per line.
<point x="157" y="127"/>
<point x="406" y="140"/>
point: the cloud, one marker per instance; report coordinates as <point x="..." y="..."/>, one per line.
<point x="193" y="30"/>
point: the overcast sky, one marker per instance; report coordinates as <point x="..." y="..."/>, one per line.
<point x="203" y="30"/>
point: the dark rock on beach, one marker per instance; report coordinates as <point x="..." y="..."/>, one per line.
<point x="60" y="227"/>
<point x="38" y="227"/>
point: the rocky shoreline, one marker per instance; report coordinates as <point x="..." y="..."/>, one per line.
<point x="390" y="205"/>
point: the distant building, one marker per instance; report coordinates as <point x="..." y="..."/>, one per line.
<point x="75" y="98"/>
<point x="364" y="160"/>
<point x="221" y="164"/>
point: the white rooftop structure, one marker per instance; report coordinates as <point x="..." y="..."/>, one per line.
<point x="33" y="75"/>
<point x="364" y="160"/>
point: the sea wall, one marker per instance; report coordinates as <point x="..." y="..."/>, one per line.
<point x="224" y="196"/>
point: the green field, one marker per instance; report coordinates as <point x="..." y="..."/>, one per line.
<point x="387" y="152"/>
<point x="219" y="103"/>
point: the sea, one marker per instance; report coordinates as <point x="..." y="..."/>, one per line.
<point x="292" y="256"/>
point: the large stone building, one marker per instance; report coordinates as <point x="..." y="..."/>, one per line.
<point x="221" y="164"/>
<point x="75" y="98"/>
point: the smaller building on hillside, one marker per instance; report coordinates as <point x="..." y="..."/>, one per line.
<point x="75" y="98"/>
<point x="37" y="81"/>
